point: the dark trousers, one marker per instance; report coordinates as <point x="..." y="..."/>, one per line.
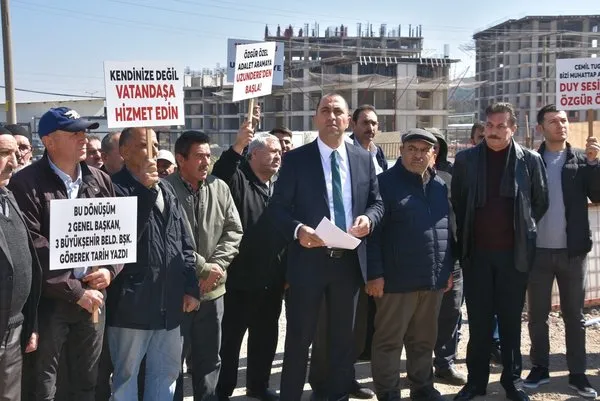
<point x="363" y="334"/>
<point x="201" y="331"/>
<point x="105" y="369"/>
<point x="11" y="364"/>
<point x="63" y="324"/>
<point x="405" y="320"/>
<point x="494" y="286"/>
<point x="570" y="274"/>
<point x="258" y="312"/>
<point x="338" y="282"/>
<point x="449" y="322"/>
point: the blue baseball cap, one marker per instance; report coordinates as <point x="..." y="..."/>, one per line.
<point x="64" y="119"/>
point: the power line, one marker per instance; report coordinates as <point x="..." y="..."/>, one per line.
<point x="56" y="93"/>
<point x="112" y="20"/>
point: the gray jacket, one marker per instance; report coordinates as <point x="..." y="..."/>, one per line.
<point x="214" y="223"/>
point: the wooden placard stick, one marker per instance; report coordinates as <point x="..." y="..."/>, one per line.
<point x="590" y="119"/>
<point x="95" y="313"/>
<point x="251" y="111"/>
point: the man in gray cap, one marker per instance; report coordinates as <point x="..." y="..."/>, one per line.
<point x="408" y="278"/>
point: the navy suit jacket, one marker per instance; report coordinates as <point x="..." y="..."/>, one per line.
<point x="300" y="197"/>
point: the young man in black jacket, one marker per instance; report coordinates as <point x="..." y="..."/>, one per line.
<point x="563" y="242"/>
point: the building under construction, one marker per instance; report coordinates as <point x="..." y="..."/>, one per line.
<point x="385" y="68"/>
<point x="515" y="60"/>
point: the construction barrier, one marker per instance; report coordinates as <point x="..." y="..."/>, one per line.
<point x="592" y="291"/>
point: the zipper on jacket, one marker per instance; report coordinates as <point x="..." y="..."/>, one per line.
<point x="435" y="236"/>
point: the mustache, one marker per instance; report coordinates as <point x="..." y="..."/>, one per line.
<point x="494" y="137"/>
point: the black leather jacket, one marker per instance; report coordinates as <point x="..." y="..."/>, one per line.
<point x="531" y="200"/>
<point x="580" y="181"/>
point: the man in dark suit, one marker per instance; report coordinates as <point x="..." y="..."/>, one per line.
<point x="327" y="178"/>
<point x="364" y="125"/>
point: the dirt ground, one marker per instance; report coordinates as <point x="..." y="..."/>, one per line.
<point x="558" y="388"/>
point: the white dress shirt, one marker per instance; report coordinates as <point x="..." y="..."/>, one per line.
<point x="373" y="151"/>
<point x="72" y="188"/>
<point x="344" y="165"/>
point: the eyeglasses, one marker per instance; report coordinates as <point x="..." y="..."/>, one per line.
<point x="24" y="148"/>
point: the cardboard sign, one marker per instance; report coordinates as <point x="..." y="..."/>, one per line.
<point x="143" y="94"/>
<point x="277" y="67"/>
<point x="92" y="232"/>
<point x="578" y="84"/>
<point x="253" y="70"/>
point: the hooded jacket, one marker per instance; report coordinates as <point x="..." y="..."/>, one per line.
<point x="441" y="161"/>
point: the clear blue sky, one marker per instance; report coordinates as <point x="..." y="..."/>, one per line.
<point x="60" y="45"/>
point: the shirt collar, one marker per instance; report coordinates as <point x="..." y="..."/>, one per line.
<point x="66" y="178"/>
<point x="326" y="151"/>
<point x="189" y="186"/>
<point x="372" y="148"/>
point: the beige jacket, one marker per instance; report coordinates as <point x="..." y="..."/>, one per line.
<point x="214" y="223"/>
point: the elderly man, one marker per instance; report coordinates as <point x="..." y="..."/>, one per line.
<point x="20" y="280"/>
<point x="165" y="163"/>
<point x="93" y="156"/>
<point x="24" y="149"/>
<point x="216" y="233"/>
<point x="327" y="178"/>
<point x="69" y="295"/>
<point x="147" y="301"/>
<point x="112" y="162"/>
<point x="408" y="278"/>
<point x="255" y="277"/>
<point x="499" y="193"/>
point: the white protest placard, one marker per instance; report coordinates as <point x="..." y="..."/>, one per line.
<point x="578" y="83"/>
<point x="143" y="94"/>
<point x="253" y="70"/>
<point x="88" y="232"/>
<point x="277" y="67"/>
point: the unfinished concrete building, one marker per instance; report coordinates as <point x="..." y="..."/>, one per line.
<point x="515" y="60"/>
<point x="384" y="68"/>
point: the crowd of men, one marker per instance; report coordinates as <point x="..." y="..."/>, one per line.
<point x="219" y="252"/>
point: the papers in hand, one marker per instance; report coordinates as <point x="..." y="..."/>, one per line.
<point x="334" y="237"/>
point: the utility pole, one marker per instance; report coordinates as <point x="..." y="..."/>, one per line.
<point x="11" y="107"/>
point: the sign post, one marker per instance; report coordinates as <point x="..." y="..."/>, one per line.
<point x="578" y="86"/>
<point x="253" y="75"/>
